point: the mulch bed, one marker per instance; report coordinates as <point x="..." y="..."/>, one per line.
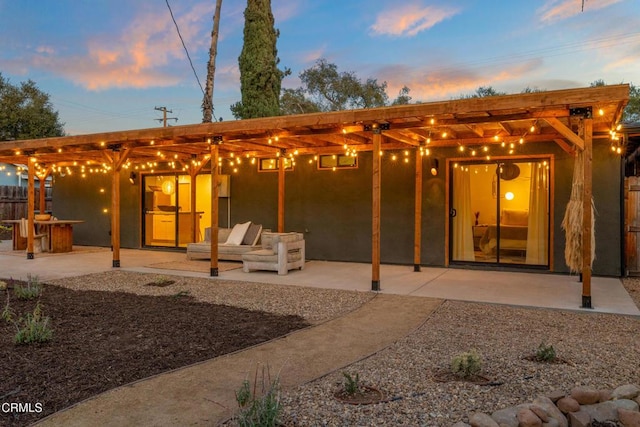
<point x="102" y="340"/>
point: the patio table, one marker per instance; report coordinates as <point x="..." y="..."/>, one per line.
<point x="59" y="234"/>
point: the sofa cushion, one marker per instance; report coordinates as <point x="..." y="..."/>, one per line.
<point x="237" y="234"/>
<point x="252" y="235"/>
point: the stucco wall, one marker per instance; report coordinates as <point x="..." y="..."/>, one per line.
<point x="333" y="209"/>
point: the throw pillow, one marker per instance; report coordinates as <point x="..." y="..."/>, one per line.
<point x="237" y="234"/>
<point x="252" y="235"/>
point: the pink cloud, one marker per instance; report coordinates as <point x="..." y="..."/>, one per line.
<point x="448" y="82"/>
<point x="140" y="56"/>
<point x="410" y="19"/>
<point x="557" y="10"/>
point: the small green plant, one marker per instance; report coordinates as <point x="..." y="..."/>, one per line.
<point x="545" y="353"/>
<point x="35" y="328"/>
<point x="259" y="407"/>
<point x="351" y="384"/>
<point x="467" y="364"/>
<point x="3" y="285"/>
<point x="7" y="314"/>
<point x="181" y="294"/>
<point x="31" y="290"/>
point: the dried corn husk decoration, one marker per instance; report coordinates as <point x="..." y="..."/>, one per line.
<point x="572" y="222"/>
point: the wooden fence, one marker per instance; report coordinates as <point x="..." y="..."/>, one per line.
<point x="13" y="201"/>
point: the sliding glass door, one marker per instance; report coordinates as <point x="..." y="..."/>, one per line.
<point x="167" y="211"/>
<point x="500" y="212"/>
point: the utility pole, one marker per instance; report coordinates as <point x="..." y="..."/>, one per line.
<point x="207" y="102"/>
<point x="164" y="115"/>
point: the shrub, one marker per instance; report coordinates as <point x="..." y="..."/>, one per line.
<point x="545" y="353"/>
<point x="466" y="365"/>
<point x="259" y="408"/>
<point x="35" y="328"/>
<point x="351" y="384"/>
<point x="31" y="290"/>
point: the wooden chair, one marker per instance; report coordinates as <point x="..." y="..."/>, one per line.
<point x="39" y="240"/>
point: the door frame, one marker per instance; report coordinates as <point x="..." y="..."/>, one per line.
<point x="447" y="206"/>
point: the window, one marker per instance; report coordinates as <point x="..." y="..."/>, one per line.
<point x="273" y="164"/>
<point x="337" y="161"/>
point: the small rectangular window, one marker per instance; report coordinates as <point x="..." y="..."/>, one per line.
<point x="273" y="164"/>
<point x="337" y="161"/>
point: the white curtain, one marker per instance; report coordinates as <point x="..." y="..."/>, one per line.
<point x="538" y="225"/>
<point x="463" y="221"/>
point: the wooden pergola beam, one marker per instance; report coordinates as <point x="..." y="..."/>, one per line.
<point x="565" y="131"/>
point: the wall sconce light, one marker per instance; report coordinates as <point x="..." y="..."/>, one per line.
<point x="132" y="178"/>
<point x="434" y="167"/>
<point x="509" y="195"/>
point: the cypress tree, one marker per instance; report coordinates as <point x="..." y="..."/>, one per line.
<point x="260" y="77"/>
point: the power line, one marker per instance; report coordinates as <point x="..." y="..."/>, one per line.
<point x="184" y="46"/>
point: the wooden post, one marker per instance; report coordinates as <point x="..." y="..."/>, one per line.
<point x="31" y="194"/>
<point x="418" y="213"/>
<point x="281" y="177"/>
<point x="586" y="213"/>
<point x="375" y="212"/>
<point x="214" y="206"/>
<point x="42" y="203"/>
<point x="194" y="232"/>
<point x="115" y="208"/>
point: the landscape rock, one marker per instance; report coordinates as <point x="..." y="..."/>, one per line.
<point x="568" y="404"/>
<point x="551" y="423"/>
<point x="628" y="404"/>
<point x="601" y="412"/>
<point x="556" y="395"/>
<point x="461" y="424"/>
<point x="628" y="391"/>
<point x="527" y="418"/>
<point x="480" y="419"/>
<point x="629" y="418"/>
<point x="579" y="419"/>
<point x="605" y="395"/>
<point x="540" y="412"/>
<point x="506" y="417"/>
<point x="585" y="395"/>
<point x="551" y="409"/>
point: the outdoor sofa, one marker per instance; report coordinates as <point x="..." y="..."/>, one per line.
<point x="232" y="242"/>
<point x="280" y="252"/>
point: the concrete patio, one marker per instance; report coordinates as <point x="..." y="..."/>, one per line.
<point x="542" y="290"/>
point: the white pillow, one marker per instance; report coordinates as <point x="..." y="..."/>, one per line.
<point x="237" y="234"/>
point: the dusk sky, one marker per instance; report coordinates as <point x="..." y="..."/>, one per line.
<point x="108" y="63"/>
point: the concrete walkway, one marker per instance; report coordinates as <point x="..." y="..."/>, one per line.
<point x="204" y="394"/>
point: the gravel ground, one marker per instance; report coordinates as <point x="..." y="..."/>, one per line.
<point x="309" y="303"/>
<point x="600" y="350"/>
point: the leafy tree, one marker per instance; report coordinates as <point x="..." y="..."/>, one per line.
<point x="293" y="101"/>
<point x="331" y="90"/>
<point x="260" y="77"/>
<point x="26" y="112"/>
<point x="403" y="97"/>
<point x="482" y="92"/>
<point x="324" y="88"/>
<point x="631" y="113"/>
